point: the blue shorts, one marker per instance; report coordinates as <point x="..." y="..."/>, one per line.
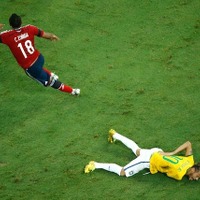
<point x="36" y="71"/>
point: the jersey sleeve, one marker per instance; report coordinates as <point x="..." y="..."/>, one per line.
<point x="36" y="31"/>
<point x="1" y="36"/>
<point x="40" y="33"/>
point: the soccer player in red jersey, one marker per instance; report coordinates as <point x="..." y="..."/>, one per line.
<point x="20" y="40"/>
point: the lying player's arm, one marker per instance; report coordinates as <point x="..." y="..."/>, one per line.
<point x="187" y="146"/>
<point x="50" y="36"/>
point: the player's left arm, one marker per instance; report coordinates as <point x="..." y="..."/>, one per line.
<point x="49" y="36"/>
<point x="187" y="147"/>
<point x="1" y="26"/>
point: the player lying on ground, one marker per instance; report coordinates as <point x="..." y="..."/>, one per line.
<point x="20" y="40"/>
<point x="156" y="159"/>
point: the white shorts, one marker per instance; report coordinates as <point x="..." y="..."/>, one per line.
<point x="141" y="162"/>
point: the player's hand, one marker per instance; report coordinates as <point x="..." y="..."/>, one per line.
<point x="50" y="36"/>
<point x="54" y="38"/>
<point x="1" y="26"/>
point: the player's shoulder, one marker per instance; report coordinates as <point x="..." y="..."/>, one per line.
<point x="30" y="29"/>
<point x="5" y="35"/>
<point x="155" y="156"/>
<point x="6" y="31"/>
<point x="28" y="26"/>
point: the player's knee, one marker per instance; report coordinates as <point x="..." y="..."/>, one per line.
<point x="56" y="84"/>
<point x="138" y="152"/>
<point x="122" y="173"/>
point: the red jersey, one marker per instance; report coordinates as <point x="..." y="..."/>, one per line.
<point x="21" y="43"/>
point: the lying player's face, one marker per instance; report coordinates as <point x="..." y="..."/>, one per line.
<point x="194" y="176"/>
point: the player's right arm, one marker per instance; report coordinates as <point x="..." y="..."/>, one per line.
<point x="187" y="147"/>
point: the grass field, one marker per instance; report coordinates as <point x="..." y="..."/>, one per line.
<point x="137" y="65"/>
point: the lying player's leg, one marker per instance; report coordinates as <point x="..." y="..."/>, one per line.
<point x="111" y="167"/>
<point x="129" y="170"/>
<point x="135" y="166"/>
<point x="141" y="162"/>
<point x="113" y="136"/>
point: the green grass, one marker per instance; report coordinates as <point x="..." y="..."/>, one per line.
<point x="137" y="64"/>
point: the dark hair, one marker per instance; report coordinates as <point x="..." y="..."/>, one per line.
<point x="197" y="167"/>
<point x="15" y="21"/>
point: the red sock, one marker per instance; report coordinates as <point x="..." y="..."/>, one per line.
<point x="65" y="88"/>
<point x="47" y="71"/>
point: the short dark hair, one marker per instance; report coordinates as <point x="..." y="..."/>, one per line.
<point x="15" y="21"/>
<point x="197" y="167"/>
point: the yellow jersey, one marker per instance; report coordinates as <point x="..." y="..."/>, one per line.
<point x="174" y="166"/>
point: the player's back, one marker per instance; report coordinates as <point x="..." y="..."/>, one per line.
<point x="21" y="43"/>
<point x="174" y="166"/>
